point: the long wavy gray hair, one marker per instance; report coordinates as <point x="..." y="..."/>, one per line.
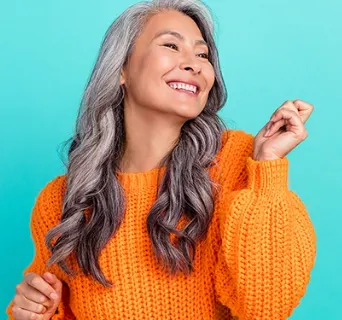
<point x="98" y="145"/>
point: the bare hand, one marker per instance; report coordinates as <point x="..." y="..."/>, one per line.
<point x="37" y="297"/>
<point x="283" y="132"/>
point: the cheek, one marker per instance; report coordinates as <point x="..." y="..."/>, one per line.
<point x="157" y="64"/>
<point x="209" y="75"/>
<point x="146" y="77"/>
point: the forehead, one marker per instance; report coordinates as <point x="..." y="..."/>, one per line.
<point x="171" y="20"/>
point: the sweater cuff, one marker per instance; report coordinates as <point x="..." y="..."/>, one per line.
<point x="267" y="175"/>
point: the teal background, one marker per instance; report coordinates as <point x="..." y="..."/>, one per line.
<point x="270" y="51"/>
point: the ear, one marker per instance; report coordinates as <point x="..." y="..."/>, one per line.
<point x="122" y="77"/>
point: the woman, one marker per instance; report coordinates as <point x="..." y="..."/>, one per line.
<point x="164" y="214"/>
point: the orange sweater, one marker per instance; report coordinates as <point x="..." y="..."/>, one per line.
<point x="255" y="262"/>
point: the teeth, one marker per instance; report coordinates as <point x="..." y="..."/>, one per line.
<point x="184" y="86"/>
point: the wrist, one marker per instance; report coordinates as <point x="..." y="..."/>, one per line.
<point x="265" y="157"/>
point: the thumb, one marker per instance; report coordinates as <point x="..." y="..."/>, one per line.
<point x="57" y="285"/>
<point x="54" y="282"/>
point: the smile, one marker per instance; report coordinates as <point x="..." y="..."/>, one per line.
<point x="184" y="87"/>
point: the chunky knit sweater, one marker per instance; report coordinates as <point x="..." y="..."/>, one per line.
<point x="254" y="263"/>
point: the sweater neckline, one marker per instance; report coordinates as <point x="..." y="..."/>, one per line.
<point x="141" y="180"/>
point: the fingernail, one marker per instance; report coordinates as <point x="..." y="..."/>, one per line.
<point x="53" y="296"/>
<point x="266" y="133"/>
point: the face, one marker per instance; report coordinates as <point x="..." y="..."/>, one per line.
<point x="168" y="71"/>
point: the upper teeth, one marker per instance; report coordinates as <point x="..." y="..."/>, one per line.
<point x="184" y="86"/>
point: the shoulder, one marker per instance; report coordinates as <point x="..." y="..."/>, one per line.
<point x="53" y="191"/>
<point x="49" y="202"/>
<point x="236" y="144"/>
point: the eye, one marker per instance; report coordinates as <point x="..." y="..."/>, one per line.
<point x="171" y="45"/>
<point x="204" y="55"/>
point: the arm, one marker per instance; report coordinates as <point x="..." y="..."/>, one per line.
<point x="268" y="244"/>
<point x="41" y="221"/>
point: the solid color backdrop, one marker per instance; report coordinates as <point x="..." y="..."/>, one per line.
<point x="270" y="51"/>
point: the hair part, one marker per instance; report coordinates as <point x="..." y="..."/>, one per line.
<point x="97" y="148"/>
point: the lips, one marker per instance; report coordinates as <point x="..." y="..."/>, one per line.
<point x="190" y="87"/>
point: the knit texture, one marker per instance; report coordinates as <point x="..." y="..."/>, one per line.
<point x="254" y="263"/>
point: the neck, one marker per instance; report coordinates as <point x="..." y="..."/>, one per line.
<point x="149" y="137"/>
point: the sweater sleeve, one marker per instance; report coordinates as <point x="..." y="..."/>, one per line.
<point x="41" y="222"/>
<point x="268" y="244"/>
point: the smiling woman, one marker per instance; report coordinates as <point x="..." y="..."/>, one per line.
<point x="171" y="52"/>
<point x="163" y="213"/>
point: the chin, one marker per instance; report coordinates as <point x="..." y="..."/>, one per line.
<point x="187" y="113"/>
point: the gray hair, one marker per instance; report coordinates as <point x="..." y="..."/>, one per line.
<point x="97" y="148"/>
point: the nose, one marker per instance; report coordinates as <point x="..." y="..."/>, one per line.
<point x="190" y="64"/>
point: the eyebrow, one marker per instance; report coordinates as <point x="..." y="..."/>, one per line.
<point x="177" y="35"/>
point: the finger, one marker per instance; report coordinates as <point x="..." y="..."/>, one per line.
<point x="37" y="282"/>
<point x="55" y="283"/>
<point x="304" y="108"/>
<point x="274" y="127"/>
<point x="33" y="294"/>
<point x="23" y="303"/>
<point x="286" y="105"/>
<point x="21" y="314"/>
<point x="292" y="120"/>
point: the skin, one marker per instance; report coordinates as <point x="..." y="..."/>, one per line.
<point x="154" y="115"/>
<point x="285" y="131"/>
<point x="37" y="297"/>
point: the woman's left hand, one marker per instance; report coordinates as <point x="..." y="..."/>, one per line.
<point x="283" y="132"/>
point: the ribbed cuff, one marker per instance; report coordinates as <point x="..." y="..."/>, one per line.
<point x="267" y="175"/>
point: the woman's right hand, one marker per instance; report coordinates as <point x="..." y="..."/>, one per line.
<point x="37" y="297"/>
